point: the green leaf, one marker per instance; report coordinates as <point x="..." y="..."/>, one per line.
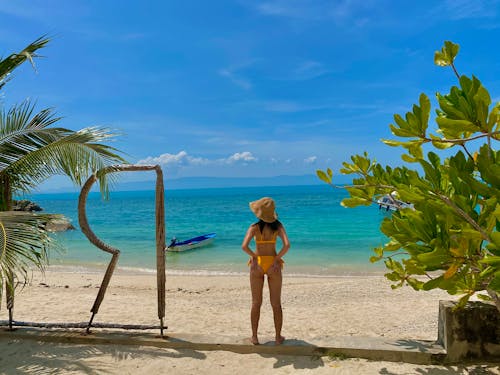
<point x="416" y="122"/>
<point x="393" y="143"/>
<point x="434" y="259"/>
<point x="355" y="202"/>
<point x="413" y="267"/>
<point x="393" y="276"/>
<point x="433" y="283"/>
<point x="379" y="251"/>
<point x="447" y="55"/>
<point x="495" y="283"/>
<point x="415" y="283"/>
<point x="484" y="297"/>
<point x="409" y="159"/>
<point x="456" y="126"/>
<point x="495" y="238"/>
<point x="323" y="176"/>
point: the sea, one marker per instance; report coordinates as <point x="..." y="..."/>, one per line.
<point x="326" y="238"/>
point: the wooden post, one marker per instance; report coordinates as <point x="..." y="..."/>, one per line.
<point x="160" y="245"/>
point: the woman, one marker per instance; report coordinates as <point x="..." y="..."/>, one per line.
<point x="265" y="261"/>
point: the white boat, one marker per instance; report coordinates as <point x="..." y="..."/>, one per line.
<point x="192" y="243"/>
<point x="389" y="202"/>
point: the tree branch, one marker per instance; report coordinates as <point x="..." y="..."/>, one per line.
<point x="462" y="140"/>
<point x="464" y="215"/>
<point x="467" y="152"/>
<point x="455" y="70"/>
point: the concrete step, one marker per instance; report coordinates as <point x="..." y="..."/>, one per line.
<point x="372" y="348"/>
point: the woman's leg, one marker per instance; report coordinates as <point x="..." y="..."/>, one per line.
<point x="275" y="280"/>
<point x="256" y="285"/>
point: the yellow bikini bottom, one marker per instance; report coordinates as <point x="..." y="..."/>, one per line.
<point x="265" y="262"/>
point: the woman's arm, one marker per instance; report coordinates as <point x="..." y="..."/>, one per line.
<point x="246" y="242"/>
<point x="284" y="239"/>
<point x="286" y="245"/>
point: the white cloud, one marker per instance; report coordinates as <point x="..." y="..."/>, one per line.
<point x="310" y="159"/>
<point x="241" y="157"/>
<point x="181" y="158"/>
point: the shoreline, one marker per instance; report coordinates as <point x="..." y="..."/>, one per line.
<point x="302" y="272"/>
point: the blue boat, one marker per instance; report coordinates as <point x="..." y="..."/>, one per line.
<point x="192" y="243"/>
<point x="389" y="202"/>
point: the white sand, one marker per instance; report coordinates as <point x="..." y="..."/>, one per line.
<point x="314" y="308"/>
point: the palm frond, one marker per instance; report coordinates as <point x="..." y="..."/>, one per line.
<point x="22" y="132"/>
<point x="76" y="155"/>
<point x="11" y="62"/>
<point x="24" y="243"/>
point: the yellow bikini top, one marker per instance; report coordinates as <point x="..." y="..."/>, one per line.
<point x="259" y="241"/>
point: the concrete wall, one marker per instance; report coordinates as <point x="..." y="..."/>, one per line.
<point x="470" y="333"/>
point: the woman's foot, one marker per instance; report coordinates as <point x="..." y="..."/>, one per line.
<point x="279" y="340"/>
<point x="254" y="340"/>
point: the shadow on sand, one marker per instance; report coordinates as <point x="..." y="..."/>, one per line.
<point x="298" y="362"/>
<point x="52" y="358"/>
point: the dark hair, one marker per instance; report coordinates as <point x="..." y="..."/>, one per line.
<point x="275" y="225"/>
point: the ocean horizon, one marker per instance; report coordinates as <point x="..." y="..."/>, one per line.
<point x="326" y="238"/>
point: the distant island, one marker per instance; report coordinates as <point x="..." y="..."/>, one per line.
<point x="206" y="183"/>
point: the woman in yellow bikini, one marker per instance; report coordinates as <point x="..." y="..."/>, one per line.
<point x="265" y="261"/>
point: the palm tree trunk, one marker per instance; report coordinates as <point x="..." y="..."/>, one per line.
<point x="5" y="193"/>
<point x="9" y="295"/>
<point x="6" y="205"/>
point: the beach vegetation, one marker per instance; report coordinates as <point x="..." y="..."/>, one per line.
<point x="32" y="149"/>
<point x="449" y="238"/>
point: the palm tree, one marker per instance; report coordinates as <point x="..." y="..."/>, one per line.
<point x="11" y="62"/>
<point x="31" y="150"/>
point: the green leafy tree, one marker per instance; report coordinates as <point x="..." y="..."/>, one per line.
<point x="450" y="239"/>
<point x="32" y="150"/>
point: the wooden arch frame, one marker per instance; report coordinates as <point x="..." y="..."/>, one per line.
<point x="160" y="236"/>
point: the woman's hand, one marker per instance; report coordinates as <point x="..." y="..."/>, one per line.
<point x="254" y="264"/>
<point x="276" y="266"/>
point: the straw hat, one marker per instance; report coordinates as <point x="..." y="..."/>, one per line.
<point x="264" y="209"/>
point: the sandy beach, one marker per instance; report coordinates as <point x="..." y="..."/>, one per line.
<point x="314" y="308"/>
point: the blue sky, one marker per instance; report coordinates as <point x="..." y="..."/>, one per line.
<point x="245" y="87"/>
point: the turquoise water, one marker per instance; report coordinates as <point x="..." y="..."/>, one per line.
<point x="326" y="238"/>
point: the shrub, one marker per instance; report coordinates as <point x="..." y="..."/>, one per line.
<point x="449" y="238"/>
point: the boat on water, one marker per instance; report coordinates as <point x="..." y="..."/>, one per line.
<point x="390" y="202"/>
<point x="192" y="243"/>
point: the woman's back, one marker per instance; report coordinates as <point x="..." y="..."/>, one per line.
<point x="265" y="235"/>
